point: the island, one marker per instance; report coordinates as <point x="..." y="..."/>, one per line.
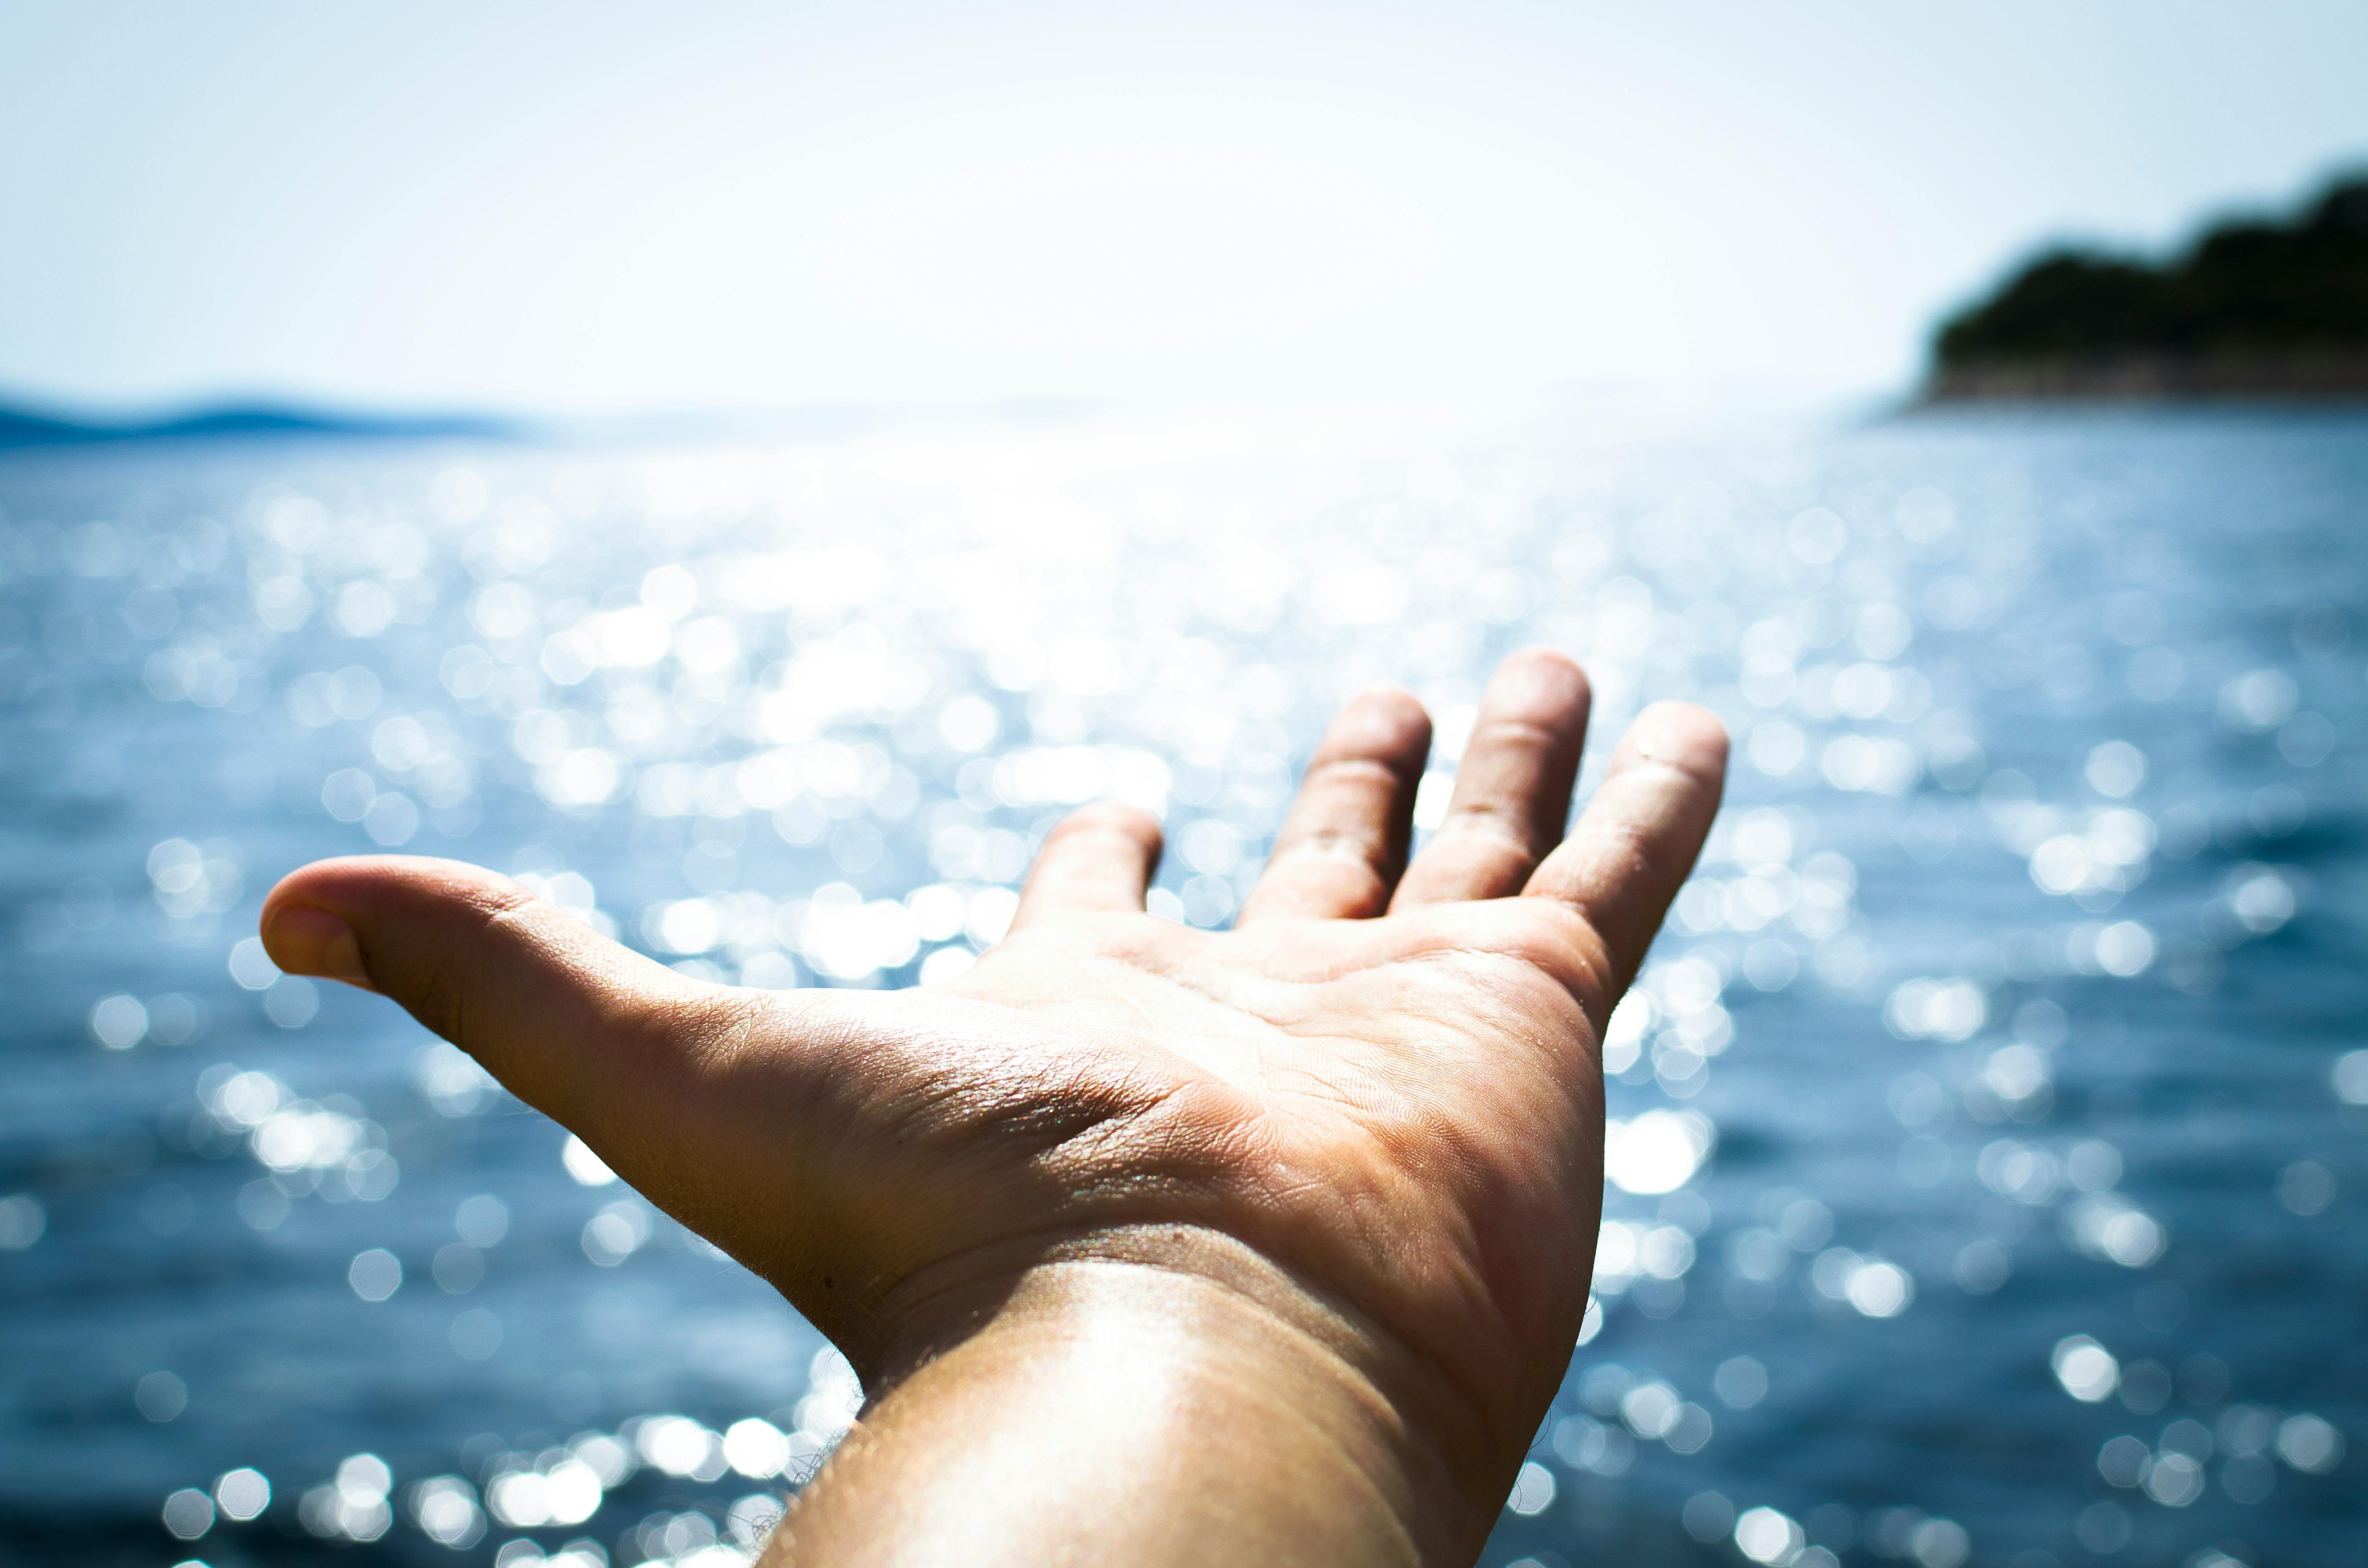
<point x="27" y="426"/>
<point x="2251" y="308"/>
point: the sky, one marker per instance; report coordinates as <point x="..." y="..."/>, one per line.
<point x="597" y="208"/>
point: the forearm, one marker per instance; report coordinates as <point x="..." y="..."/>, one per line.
<point x="1111" y="1409"/>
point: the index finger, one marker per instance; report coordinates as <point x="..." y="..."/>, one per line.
<point x="1637" y="842"/>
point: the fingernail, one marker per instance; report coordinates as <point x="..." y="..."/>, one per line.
<point x="305" y="940"/>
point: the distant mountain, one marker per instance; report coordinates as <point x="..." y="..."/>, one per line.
<point x="21" y="427"/>
<point x="2251" y="307"/>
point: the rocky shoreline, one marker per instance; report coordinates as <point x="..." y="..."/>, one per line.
<point x="2338" y="375"/>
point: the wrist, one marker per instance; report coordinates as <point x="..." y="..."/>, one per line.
<point x="1154" y="1388"/>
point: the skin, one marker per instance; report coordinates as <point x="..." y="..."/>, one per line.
<point x="1151" y="1245"/>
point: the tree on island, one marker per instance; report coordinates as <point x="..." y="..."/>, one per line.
<point x="2252" y="306"/>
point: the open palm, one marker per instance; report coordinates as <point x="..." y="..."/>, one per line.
<point x="1382" y="1083"/>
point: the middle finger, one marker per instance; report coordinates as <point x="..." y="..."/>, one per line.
<point x="1512" y="791"/>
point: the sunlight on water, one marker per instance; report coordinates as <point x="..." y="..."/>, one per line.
<point x="1985" y="1128"/>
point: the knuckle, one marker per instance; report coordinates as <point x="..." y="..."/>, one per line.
<point x="437" y="998"/>
<point x="1490" y="819"/>
<point x="1579" y="954"/>
<point x="437" y="990"/>
<point x="1337" y="843"/>
<point x="1109" y="816"/>
<point x="1354" y="772"/>
<point x="1511" y="732"/>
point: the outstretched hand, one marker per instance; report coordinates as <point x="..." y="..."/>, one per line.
<point x="1269" y="1243"/>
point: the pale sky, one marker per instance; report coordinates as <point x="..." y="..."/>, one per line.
<point x="715" y="205"/>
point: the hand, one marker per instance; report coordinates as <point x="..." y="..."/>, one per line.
<point x="1321" y="1191"/>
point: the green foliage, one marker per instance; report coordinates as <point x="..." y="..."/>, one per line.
<point x="2244" y="288"/>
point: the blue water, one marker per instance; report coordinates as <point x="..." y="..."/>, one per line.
<point x="2001" y="1042"/>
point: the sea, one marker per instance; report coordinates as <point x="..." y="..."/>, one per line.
<point x="1989" y="1129"/>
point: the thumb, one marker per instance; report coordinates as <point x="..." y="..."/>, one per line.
<point x="573" y="1023"/>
